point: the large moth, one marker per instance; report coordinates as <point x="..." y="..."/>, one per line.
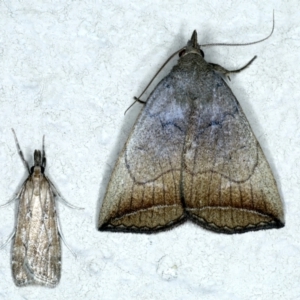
<point x="192" y="156"/>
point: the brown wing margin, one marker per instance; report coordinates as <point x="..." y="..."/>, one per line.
<point x="252" y="205"/>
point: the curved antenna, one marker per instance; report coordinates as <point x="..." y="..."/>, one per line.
<point x="160" y="70"/>
<point x="137" y="99"/>
<point x="20" y="152"/>
<point x="246" y="44"/>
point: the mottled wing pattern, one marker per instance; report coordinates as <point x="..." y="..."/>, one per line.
<point x="36" y="257"/>
<point x="144" y="192"/>
<point x="227" y="183"/>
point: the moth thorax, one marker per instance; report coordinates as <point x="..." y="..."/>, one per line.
<point x="37" y="171"/>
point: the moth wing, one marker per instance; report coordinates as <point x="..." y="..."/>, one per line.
<point x="20" y="241"/>
<point x="39" y="242"/>
<point x="144" y="194"/>
<point x="228" y="185"/>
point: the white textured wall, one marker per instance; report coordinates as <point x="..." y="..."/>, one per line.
<point x="70" y="70"/>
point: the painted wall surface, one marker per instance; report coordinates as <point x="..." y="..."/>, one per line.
<point x="70" y="69"/>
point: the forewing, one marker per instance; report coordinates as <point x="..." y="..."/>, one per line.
<point x="143" y="194"/>
<point x="39" y="244"/>
<point x="227" y="183"/>
<point x="21" y="238"/>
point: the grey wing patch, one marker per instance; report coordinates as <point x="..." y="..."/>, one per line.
<point x="228" y="184"/>
<point x="144" y="194"/>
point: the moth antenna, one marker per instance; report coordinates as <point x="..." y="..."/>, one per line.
<point x="8" y="240"/>
<point x="194" y="40"/>
<point x="20" y="152"/>
<point x="63" y="239"/>
<point x="16" y="197"/>
<point x="159" y="72"/>
<point x="61" y="197"/>
<point x="246" y="44"/>
<point x="137" y="99"/>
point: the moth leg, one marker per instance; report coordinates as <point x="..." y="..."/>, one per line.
<point x="56" y="193"/>
<point x="8" y="240"/>
<point x="44" y="154"/>
<point x="135" y="100"/>
<point x="63" y="239"/>
<point x="226" y="72"/>
<point x="20" y="152"/>
<point x="139" y="100"/>
<point x="10" y="201"/>
<point x="15" y="197"/>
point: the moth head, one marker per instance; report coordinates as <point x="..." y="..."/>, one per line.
<point x="192" y="46"/>
<point x="37" y="161"/>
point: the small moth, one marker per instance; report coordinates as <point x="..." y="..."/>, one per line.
<point x="36" y="255"/>
<point x="192" y="156"/>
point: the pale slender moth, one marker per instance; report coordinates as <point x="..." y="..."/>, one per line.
<point x="36" y="254"/>
<point x="192" y="156"/>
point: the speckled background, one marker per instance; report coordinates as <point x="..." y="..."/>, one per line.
<point x="69" y="70"/>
